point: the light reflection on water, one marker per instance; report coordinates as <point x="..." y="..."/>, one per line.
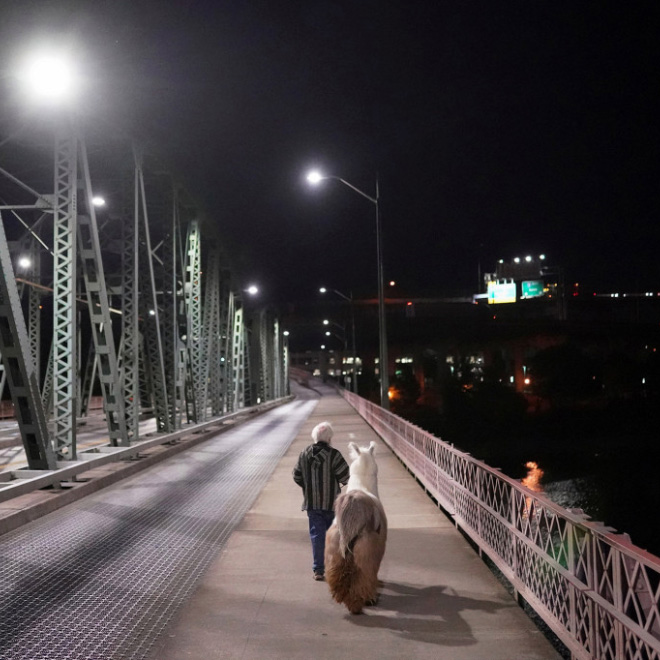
<point x="533" y="478"/>
<point x="578" y="493"/>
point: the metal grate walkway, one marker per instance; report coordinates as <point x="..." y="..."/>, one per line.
<point x="100" y="579"/>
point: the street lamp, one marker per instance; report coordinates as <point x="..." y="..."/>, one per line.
<point x="316" y="177"/>
<point x="348" y="298"/>
<point x="48" y="78"/>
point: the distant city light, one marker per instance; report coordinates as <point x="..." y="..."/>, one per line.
<point x="528" y="258"/>
<point x="326" y="322"/>
<point x="392" y="283"/>
<point x="328" y="333"/>
<point x="322" y="346"/>
<point x="322" y="289"/>
<point x="517" y="260"/>
<point x="501" y="261"/>
<point x="286" y="333"/>
<point x="541" y="257"/>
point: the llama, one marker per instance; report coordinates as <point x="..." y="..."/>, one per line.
<point x="355" y="543"/>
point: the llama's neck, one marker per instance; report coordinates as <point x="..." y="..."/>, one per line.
<point x="357" y="482"/>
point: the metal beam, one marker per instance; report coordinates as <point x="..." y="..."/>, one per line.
<point x="64" y="298"/>
<point x="150" y="312"/>
<point x="20" y="369"/>
<point x="99" y="310"/>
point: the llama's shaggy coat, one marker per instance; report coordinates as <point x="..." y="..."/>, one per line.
<point x="355" y="543"/>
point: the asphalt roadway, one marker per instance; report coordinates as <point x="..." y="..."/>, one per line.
<point x="438" y="600"/>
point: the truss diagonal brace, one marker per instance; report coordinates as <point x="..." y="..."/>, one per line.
<point x="20" y="368"/>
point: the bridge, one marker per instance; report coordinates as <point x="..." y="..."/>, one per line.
<point x="168" y="526"/>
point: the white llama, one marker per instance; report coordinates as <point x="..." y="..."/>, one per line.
<point x="355" y="543"/>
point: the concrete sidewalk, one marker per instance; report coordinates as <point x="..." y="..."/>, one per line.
<point x="438" y="600"/>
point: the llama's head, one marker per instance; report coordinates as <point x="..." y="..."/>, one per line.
<point x="363" y="463"/>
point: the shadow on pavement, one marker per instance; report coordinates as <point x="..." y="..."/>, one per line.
<point x="427" y="614"/>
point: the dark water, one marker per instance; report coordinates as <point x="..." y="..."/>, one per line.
<point x="605" y="462"/>
<point x="620" y="488"/>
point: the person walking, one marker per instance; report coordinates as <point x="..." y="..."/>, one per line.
<point x="321" y="471"/>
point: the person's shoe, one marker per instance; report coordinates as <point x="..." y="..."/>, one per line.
<point x="319" y="576"/>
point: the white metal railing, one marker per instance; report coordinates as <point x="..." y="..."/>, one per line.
<point x="597" y="591"/>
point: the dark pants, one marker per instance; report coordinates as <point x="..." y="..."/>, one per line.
<point x="319" y="521"/>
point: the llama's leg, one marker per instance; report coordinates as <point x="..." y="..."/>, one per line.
<point x="369" y="556"/>
<point x="332" y="554"/>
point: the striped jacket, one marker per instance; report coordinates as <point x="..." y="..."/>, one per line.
<point x="321" y="471"/>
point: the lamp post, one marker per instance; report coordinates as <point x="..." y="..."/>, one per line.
<point x="349" y="298"/>
<point x="316" y="177"/>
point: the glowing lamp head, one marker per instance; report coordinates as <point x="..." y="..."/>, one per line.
<point x="314" y="177"/>
<point x="253" y="290"/>
<point x="98" y="201"/>
<point x="24" y="263"/>
<point x="49" y="78"/>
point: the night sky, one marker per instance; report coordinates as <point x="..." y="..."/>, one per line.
<point x="497" y="129"/>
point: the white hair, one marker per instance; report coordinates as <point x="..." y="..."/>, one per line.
<point x="322" y="432"/>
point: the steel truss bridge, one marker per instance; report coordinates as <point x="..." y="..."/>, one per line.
<point x="138" y="303"/>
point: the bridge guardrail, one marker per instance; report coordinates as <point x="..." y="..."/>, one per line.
<point x="596" y="590"/>
<point x="14" y="483"/>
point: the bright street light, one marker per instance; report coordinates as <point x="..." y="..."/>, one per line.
<point x="253" y="290"/>
<point x="48" y="77"/>
<point x="98" y="201"/>
<point x="24" y="262"/>
<point x="315" y="177"/>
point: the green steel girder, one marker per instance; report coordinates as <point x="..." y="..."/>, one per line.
<point x="149" y="311"/>
<point x="99" y="312"/>
<point x="20" y="369"/>
<point x="64" y="298"/>
<point x="212" y="369"/>
<point x="174" y="376"/>
<point x="195" y="339"/>
<point x="130" y="344"/>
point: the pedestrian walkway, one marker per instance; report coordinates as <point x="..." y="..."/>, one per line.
<point x="438" y="600"/>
